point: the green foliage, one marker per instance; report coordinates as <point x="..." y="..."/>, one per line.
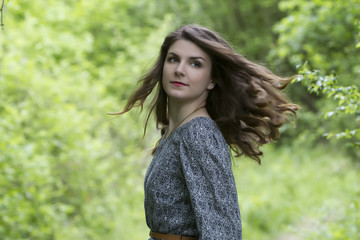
<point x="348" y="99"/>
<point x="64" y="163"/>
<point x="323" y="35"/>
<point x="69" y="171"/>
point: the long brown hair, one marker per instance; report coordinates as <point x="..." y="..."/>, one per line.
<point x="246" y="102"/>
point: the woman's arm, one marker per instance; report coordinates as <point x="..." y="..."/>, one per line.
<point x="206" y="164"/>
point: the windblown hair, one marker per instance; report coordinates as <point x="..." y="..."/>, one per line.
<point x="246" y="103"/>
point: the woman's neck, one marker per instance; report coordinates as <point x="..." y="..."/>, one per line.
<point x="180" y="114"/>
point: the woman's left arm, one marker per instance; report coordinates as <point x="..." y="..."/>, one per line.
<point x="206" y="164"/>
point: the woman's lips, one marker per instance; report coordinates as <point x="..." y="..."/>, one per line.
<point x="178" y="84"/>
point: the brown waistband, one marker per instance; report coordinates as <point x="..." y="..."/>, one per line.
<point x="164" y="236"/>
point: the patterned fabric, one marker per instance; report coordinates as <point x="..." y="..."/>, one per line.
<point x="189" y="185"/>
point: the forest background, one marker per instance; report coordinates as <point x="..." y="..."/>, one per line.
<point x="70" y="171"/>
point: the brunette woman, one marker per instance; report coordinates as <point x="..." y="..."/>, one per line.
<point x="209" y="99"/>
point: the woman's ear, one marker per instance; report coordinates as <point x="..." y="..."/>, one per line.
<point x="211" y="85"/>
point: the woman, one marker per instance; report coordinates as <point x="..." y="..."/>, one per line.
<point x="209" y="99"/>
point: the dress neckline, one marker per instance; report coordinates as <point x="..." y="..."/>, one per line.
<point x="181" y="126"/>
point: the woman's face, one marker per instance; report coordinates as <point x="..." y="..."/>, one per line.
<point x="187" y="72"/>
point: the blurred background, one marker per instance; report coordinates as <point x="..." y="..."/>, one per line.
<point x="70" y="171"/>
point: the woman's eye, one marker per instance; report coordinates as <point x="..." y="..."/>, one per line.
<point x="196" y="64"/>
<point x="172" y="59"/>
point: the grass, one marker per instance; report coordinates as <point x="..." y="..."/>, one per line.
<point x="299" y="194"/>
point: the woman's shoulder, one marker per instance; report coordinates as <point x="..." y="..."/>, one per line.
<point x="201" y="139"/>
<point x="200" y="129"/>
<point x="199" y="124"/>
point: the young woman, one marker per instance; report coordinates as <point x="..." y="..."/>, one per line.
<point x="209" y="100"/>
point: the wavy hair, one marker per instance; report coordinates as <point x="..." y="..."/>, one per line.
<point x="246" y="103"/>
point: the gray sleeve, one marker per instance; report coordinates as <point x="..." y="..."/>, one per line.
<point x="206" y="165"/>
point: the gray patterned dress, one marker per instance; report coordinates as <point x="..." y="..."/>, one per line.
<point x="189" y="185"/>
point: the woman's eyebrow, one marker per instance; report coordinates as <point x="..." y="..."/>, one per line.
<point x="192" y="57"/>
<point x="172" y="53"/>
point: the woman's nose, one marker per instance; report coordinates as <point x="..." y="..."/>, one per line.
<point x="179" y="71"/>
